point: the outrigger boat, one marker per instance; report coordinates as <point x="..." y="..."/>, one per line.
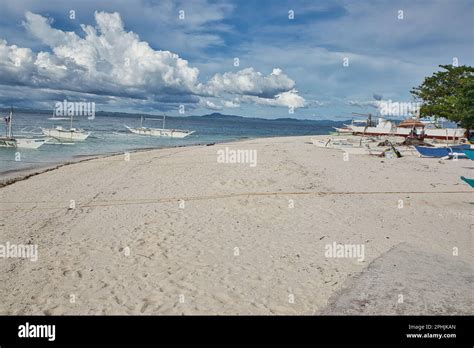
<point x="159" y="132"/>
<point x="71" y="134"/>
<point x="347" y="129"/>
<point x="19" y="141"/>
<point x="469" y="153"/>
<point x="451" y="151"/>
<point x="362" y="147"/>
<point x="342" y="130"/>
<point x="331" y="143"/>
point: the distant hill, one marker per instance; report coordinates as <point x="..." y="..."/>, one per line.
<point x="215" y="116"/>
<point x="220" y="116"/>
<point x="26" y="111"/>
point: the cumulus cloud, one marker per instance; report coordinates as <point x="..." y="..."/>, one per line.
<point x="250" y="82"/>
<point x="364" y="103"/>
<point x="288" y="99"/>
<point x="274" y="89"/>
<point x="231" y="104"/>
<point x="107" y="60"/>
<point x="210" y="105"/>
<point x="112" y="58"/>
<point x="15" y="63"/>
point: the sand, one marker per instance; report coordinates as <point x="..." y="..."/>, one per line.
<point x="173" y="231"/>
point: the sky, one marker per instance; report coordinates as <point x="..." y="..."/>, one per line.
<point x="269" y="59"/>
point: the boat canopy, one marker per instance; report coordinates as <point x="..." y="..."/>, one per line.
<point x="411" y="123"/>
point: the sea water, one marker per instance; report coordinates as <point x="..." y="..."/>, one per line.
<point x="110" y="136"/>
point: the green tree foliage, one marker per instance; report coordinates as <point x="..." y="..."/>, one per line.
<point x="448" y="94"/>
<point x="466" y="104"/>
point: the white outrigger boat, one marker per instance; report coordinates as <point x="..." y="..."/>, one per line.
<point x="406" y="128"/>
<point x="25" y="143"/>
<point x="71" y="134"/>
<point x="159" y="132"/>
<point x="19" y="141"/>
<point x="362" y="146"/>
<point x="347" y="129"/>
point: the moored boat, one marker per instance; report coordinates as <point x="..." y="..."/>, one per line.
<point x="19" y="141"/>
<point x="30" y="143"/>
<point x="159" y="132"/>
<point x="71" y="134"/>
<point x="68" y="134"/>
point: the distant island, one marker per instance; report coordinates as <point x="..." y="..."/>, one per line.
<point x="214" y="115"/>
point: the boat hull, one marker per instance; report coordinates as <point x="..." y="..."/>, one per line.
<point x="7" y="142"/>
<point x="469" y="153"/>
<point x="440" y="134"/>
<point x="30" y="143"/>
<point x="345" y="145"/>
<point x="442" y="151"/>
<point x="331" y="143"/>
<point x="158" y="132"/>
<point x="24" y="143"/>
<point x="445" y="133"/>
<point x="65" y="134"/>
<point x="345" y="130"/>
<point x="470" y="182"/>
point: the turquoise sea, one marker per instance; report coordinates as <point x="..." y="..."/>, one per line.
<point x="110" y="136"/>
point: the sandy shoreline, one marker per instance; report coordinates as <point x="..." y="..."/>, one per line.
<point x="9" y="177"/>
<point x="172" y="231"/>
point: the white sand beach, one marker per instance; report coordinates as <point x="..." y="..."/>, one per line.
<point x="174" y="231"/>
